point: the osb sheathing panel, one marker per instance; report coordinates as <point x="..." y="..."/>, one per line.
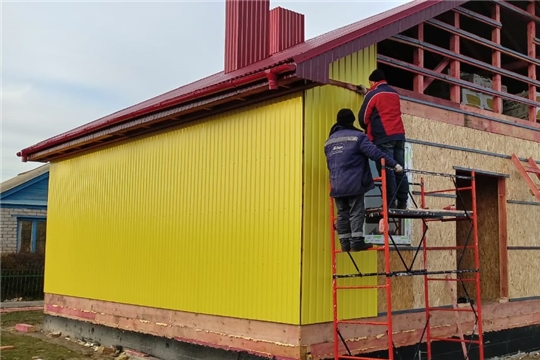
<point x="447" y="134"/>
<point x="523" y="234"/>
<point x="523" y="267"/>
<point x="402" y="287"/>
<point x="523" y="221"/>
<point x="434" y="131"/>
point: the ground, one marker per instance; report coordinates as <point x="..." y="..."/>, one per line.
<point x="39" y="345"/>
<point x="42" y="346"/>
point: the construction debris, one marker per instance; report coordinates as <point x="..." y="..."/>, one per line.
<point x="56" y="334"/>
<point x="520" y="356"/>
<point x="106" y="350"/>
<point x="26" y="328"/>
<point x="131" y="352"/>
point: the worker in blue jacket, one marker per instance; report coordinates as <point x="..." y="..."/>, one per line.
<point x="347" y="151"/>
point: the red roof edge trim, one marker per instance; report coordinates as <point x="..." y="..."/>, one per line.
<point x="99" y="125"/>
<point x="342" y="40"/>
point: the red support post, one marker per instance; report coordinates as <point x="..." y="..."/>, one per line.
<point x="418" y="84"/>
<point x="334" y="280"/>
<point x="455" y="70"/>
<point x="477" y="266"/>
<point x="496" y="59"/>
<point x="531" y="47"/>
<point x="503" y="239"/>
<point x="387" y="261"/>
<point x="426" y="278"/>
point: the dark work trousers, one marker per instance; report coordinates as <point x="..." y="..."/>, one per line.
<point x="397" y="185"/>
<point x="350" y="218"/>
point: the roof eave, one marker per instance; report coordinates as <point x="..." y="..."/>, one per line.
<point x="269" y="74"/>
<point x="166" y="118"/>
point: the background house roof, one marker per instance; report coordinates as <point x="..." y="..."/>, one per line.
<point x="23" y="178"/>
<point x="28" y="190"/>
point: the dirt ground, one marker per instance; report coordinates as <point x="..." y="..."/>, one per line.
<point x="41" y="346"/>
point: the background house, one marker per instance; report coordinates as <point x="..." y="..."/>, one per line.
<point x="23" y="208"/>
<point x="201" y="215"/>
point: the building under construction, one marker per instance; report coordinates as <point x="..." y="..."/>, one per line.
<point x="199" y="223"/>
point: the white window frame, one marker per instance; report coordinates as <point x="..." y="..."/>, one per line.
<point x="407" y="223"/>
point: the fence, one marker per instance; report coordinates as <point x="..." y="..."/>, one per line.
<point x="25" y="284"/>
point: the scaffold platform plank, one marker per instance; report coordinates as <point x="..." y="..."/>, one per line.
<point x="418" y="213"/>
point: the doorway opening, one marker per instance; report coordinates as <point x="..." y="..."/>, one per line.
<point x="491" y="218"/>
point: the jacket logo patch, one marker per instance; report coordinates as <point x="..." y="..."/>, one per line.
<point x="337" y="149"/>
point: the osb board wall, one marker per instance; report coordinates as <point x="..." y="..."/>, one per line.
<point x="442" y="133"/>
<point x="521" y="233"/>
<point x="523" y="269"/>
<point x="402" y="287"/>
<point x="523" y="221"/>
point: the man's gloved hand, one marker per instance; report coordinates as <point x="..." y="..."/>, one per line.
<point x="361" y="89"/>
<point x="398" y="168"/>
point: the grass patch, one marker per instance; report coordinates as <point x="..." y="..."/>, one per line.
<point x="37" y="345"/>
<point x="24" y="317"/>
<point x="26" y="347"/>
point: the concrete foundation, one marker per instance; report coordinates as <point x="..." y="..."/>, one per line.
<point x="162" y="348"/>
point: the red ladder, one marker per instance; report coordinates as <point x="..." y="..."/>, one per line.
<point x="525" y="171"/>
<point x="387" y="286"/>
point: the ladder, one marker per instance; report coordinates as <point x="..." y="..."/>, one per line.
<point x="338" y="337"/>
<point x="426" y="215"/>
<point x="525" y="171"/>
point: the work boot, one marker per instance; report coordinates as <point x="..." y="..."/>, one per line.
<point x="402" y="205"/>
<point x="345" y="244"/>
<point x="359" y="244"/>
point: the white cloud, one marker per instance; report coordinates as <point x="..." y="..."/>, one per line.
<point x="68" y="63"/>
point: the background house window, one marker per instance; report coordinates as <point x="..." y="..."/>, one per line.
<point x="401" y="229"/>
<point x="31" y="235"/>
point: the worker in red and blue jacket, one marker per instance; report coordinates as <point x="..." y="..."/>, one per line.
<point x="380" y="117"/>
<point x="347" y="151"/>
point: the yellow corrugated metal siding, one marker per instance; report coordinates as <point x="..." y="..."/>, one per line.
<point x="205" y="218"/>
<point x="321" y="106"/>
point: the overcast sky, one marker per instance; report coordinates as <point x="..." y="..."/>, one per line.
<point x="65" y="64"/>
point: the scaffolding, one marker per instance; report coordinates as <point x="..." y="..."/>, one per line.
<point x="425" y="215"/>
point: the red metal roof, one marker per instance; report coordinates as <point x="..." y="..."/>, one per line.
<point x="312" y="58"/>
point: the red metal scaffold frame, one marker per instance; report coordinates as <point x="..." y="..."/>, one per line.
<point x="426" y="215"/>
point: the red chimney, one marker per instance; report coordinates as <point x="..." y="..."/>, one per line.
<point x="286" y="29"/>
<point x="246" y="32"/>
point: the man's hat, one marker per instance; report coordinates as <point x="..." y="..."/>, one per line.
<point x="345" y="117"/>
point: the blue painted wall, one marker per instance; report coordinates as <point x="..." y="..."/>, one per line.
<point x="33" y="192"/>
